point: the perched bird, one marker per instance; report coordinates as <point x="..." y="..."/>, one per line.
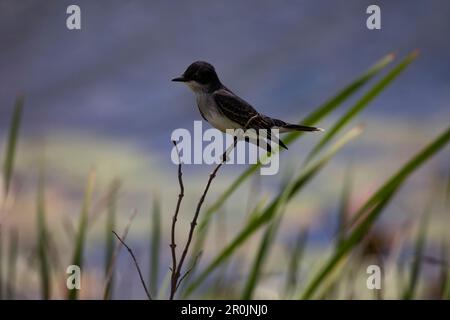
<point x="223" y="109"/>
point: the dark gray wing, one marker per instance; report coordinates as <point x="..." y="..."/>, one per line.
<point x="240" y="111"/>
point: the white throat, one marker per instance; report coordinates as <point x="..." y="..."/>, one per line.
<point x="196" y="87"/>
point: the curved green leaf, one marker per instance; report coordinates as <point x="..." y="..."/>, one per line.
<point x="375" y="204"/>
<point x="362" y="103"/>
<point x="12" y="143"/>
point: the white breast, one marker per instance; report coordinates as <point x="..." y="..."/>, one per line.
<point x="211" y="112"/>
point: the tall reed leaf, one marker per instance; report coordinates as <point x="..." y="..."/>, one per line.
<point x="445" y="272"/>
<point x="1" y="263"/>
<point x="375" y="204"/>
<point x="80" y="237"/>
<point x="261" y="255"/>
<point x="344" y="206"/>
<point x="8" y="165"/>
<point x="265" y="243"/>
<point x="417" y="261"/>
<point x="12" y="264"/>
<point x="362" y="103"/>
<point x="112" y="264"/>
<point x="42" y="240"/>
<point x="109" y="236"/>
<point x="296" y="254"/>
<point x="445" y="245"/>
<point x="155" y="245"/>
<point x="258" y="207"/>
<point x="402" y="174"/>
<point x="345" y="247"/>
<point x="267" y="214"/>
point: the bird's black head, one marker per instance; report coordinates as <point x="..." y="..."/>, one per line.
<point x="200" y="72"/>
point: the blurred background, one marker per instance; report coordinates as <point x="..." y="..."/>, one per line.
<point x="101" y="99"/>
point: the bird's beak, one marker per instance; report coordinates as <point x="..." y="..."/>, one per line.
<point x="179" y="79"/>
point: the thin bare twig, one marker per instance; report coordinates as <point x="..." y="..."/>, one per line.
<point x="112" y="264"/>
<point x="197" y="257"/>
<point x="173" y="245"/>
<point x="194" y="220"/>
<point x="136" y="264"/>
<point x="176" y="270"/>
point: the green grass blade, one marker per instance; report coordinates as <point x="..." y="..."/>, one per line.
<point x="447" y="193"/>
<point x="315" y="116"/>
<point x="155" y="246"/>
<point x="265" y="244"/>
<point x="294" y="263"/>
<point x="362" y="103"/>
<point x="220" y="233"/>
<point x="445" y="272"/>
<point x="403" y="174"/>
<point x="254" y="224"/>
<point x="80" y="237"/>
<point x="347" y="92"/>
<point x="376" y="204"/>
<point x="8" y="165"/>
<point x="200" y="240"/>
<point x="341" y="252"/>
<point x="42" y="240"/>
<point x="1" y="262"/>
<point x="261" y="255"/>
<point x="226" y="194"/>
<point x="417" y="263"/>
<point x="344" y="207"/>
<point x="112" y="265"/>
<point x="12" y="264"/>
<point x="109" y="236"/>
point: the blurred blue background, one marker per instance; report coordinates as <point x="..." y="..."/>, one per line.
<point x="112" y="77"/>
<point x="102" y="97"/>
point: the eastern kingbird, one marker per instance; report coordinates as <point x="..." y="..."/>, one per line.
<point x="223" y="109"/>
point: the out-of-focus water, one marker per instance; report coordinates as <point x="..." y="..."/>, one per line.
<point x="112" y="77"/>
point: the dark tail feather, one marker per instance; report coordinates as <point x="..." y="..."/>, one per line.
<point x="293" y="127"/>
<point x="281" y="143"/>
<point x="297" y="127"/>
<point x="268" y="147"/>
